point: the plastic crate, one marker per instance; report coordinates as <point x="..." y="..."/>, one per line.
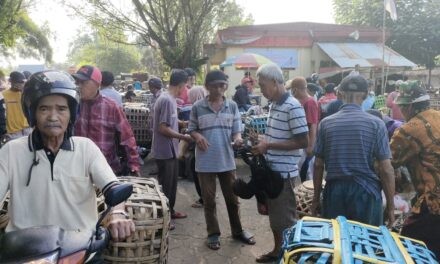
<point x="316" y="240"/>
<point x="379" y="102"/>
<point x="256" y="124"/>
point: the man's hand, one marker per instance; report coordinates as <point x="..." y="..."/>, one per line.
<point x="389" y="216"/>
<point x="187" y="138"/>
<point x="120" y="228"/>
<point x="238" y="142"/>
<point x="202" y="143"/>
<point x="309" y="151"/>
<point x="261" y="148"/>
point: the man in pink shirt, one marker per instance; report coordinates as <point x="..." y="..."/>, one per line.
<point x="183" y="103"/>
<point x="395" y="111"/>
<point x="325" y="101"/>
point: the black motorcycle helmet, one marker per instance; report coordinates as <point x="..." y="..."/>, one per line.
<point x="45" y="83"/>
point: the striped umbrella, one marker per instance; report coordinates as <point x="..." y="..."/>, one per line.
<point x="246" y="60"/>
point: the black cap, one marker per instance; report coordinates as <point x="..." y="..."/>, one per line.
<point x="354" y="84"/>
<point x="215" y="76"/>
<point x="155" y="82"/>
<point x="17" y="77"/>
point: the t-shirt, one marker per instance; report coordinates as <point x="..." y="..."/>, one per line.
<point x="218" y="128"/>
<point x="165" y="111"/>
<point x="349" y="142"/>
<point x="311" y="108"/>
<point x="66" y="197"/>
<point x="15" y="119"/>
<point x="286" y="120"/>
<point x="110" y="92"/>
<point x="183" y="100"/>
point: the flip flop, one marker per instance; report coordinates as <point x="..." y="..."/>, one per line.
<point x="245" y="237"/>
<point x="265" y="258"/>
<point x="213" y="242"/>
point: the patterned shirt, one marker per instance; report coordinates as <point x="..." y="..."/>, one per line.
<point x="105" y="123"/>
<point x="416" y="145"/>
<point x="286" y="120"/>
<point x="218" y="128"/>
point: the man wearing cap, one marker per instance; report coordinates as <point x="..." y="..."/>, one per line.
<point x="286" y="134"/>
<point x="416" y="145"/>
<point x="348" y="144"/>
<point x="107" y="88"/>
<point x="214" y="125"/>
<point x="104" y="122"/>
<point x="16" y="123"/>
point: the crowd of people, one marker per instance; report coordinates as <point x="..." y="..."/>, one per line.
<point x="69" y="133"/>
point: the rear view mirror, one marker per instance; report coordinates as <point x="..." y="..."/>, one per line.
<point x="118" y="194"/>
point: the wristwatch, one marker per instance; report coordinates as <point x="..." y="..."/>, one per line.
<point x="121" y="212"/>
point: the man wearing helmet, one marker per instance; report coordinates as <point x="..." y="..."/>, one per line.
<point x="416" y="145"/>
<point x="51" y="174"/>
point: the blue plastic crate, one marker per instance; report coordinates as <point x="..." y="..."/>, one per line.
<point x="256" y="124"/>
<point x="316" y="240"/>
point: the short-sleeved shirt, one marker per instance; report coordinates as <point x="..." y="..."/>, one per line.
<point x="63" y="195"/>
<point x="286" y="120"/>
<point x="110" y="92"/>
<point x="311" y="109"/>
<point x="218" y="128"/>
<point x="349" y="142"/>
<point x="416" y="146"/>
<point x="165" y="112"/>
<point x="183" y="99"/>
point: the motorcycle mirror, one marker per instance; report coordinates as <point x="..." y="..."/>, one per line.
<point x="118" y="194"/>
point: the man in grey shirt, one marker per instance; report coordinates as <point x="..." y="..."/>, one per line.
<point x="107" y="88"/>
<point x="166" y="138"/>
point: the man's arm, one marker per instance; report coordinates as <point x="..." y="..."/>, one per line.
<point x="312" y="139"/>
<point x="297" y="142"/>
<point x="165" y="130"/>
<point x="318" y="173"/>
<point x="388" y="185"/>
<point x="127" y="140"/>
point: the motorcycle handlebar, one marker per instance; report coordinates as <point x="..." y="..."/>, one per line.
<point x="100" y="241"/>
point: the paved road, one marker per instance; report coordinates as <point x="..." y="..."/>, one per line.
<point x="188" y="240"/>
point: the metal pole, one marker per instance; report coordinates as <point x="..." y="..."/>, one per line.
<point x="383" y="49"/>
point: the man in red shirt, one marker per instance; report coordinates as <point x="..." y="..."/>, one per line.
<point x="105" y="123"/>
<point x="299" y="91"/>
<point x="325" y="101"/>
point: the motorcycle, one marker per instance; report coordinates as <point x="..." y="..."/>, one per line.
<point x="51" y="244"/>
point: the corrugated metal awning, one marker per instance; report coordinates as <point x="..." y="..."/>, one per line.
<point x="367" y="55"/>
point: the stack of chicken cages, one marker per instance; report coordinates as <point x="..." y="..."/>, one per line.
<point x="316" y="240"/>
<point x="138" y="115"/>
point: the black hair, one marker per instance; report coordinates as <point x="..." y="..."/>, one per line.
<point x="330" y="88"/>
<point x="190" y="72"/>
<point x="107" y="78"/>
<point x="375" y="112"/>
<point x="178" y="76"/>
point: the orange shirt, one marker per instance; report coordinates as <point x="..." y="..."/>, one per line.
<point x="15" y="119"/>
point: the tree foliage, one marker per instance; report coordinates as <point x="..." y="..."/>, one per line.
<point x="415" y="34"/>
<point x="95" y="49"/>
<point x="19" y="33"/>
<point x="178" y="28"/>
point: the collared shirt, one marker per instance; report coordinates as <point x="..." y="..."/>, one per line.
<point x="349" y="142"/>
<point x="67" y="197"/>
<point x="286" y="120"/>
<point x="416" y="145"/>
<point x="15" y="119"/>
<point x="110" y="92"/>
<point x="218" y="128"/>
<point x="165" y="111"/>
<point x="105" y="123"/>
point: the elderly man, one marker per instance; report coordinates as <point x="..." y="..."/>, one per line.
<point x="348" y="143"/>
<point x="416" y="145"/>
<point x="104" y="122"/>
<point x="50" y="174"/>
<point x="286" y="134"/>
<point x="214" y="124"/>
<point x="16" y="123"/>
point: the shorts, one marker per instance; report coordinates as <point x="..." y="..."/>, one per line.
<point x="282" y="210"/>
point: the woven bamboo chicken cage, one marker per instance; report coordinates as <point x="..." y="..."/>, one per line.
<point x="148" y="208"/>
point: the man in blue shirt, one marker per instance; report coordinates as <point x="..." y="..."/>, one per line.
<point x="348" y="144"/>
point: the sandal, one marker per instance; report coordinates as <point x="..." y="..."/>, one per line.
<point x="214" y="242"/>
<point x="265" y="258"/>
<point x="245" y="237"/>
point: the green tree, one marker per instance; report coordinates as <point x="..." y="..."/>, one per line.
<point x="415" y="34"/>
<point x="107" y="55"/>
<point x="178" y="28"/>
<point x="19" y="33"/>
